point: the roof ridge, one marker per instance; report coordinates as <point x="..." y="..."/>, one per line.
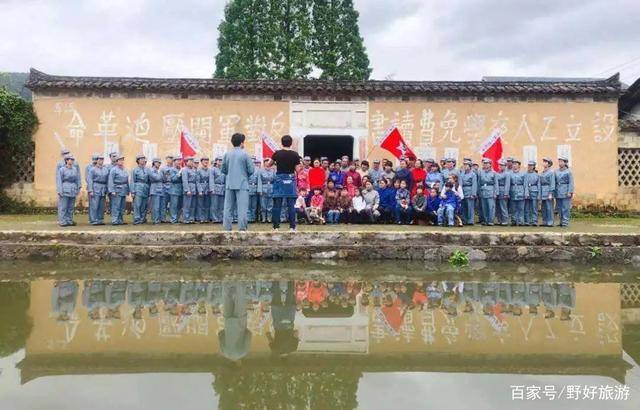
<point x="40" y="80"/>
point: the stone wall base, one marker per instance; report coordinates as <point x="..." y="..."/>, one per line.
<point x="428" y="246"/>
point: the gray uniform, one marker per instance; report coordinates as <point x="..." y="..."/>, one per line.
<point x="216" y="184"/>
<point x="547" y="189"/>
<point x="166" y="183"/>
<point x="564" y="187"/>
<point x="375" y="175"/>
<point x="255" y="189"/>
<point x="68" y="187"/>
<point x="189" y="200"/>
<point x="204" y="195"/>
<point x="517" y="194"/>
<point x="532" y="179"/>
<point x="97" y="186"/>
<point x="93" y="294"/>
<point x="502" y="201"/>
<point x="488" y="190"/>
<point x="156" y="193"/>
<point x="267" y="176"/>
<point x="175" y="194"/>
<point x="64" y="296"/>
<point x="469" y="183"/>
<point x="237" y="166"/>
<point x="235" y="338"/>
<point x="118" y="187"/>
<point x="140" y="190"/>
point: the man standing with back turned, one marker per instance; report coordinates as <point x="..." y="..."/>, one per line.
<point x="237" y="166"/>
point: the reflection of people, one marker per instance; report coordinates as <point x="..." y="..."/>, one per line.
<point x="63" y="298"/>
<point x="94" y="297"/>
<point x="235" y="338"/>
<point x="283" y="310"/>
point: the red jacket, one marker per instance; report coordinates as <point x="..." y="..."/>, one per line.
<point x="417" y="175"/>
<point x="317" y="178"/>
<point x="357" y="179"/>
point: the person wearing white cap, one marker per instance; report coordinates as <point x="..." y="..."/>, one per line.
<point x="156" y="190"/>
<point x="547" y="188"/>
<point x="564" y="190"/>
<point x="67" y="185"/>
<point x="118" y="187"/>
<point x="97" y="190"/>
<point x="140" y="190"/>
<point x="531" y="202"/>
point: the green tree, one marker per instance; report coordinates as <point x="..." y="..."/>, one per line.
<point x="243" y="46"/>
<point x="18" y="122"/>
<point x="338" y="47"/>
<point x="286" y="39"/>
<point x="291" y="33"/>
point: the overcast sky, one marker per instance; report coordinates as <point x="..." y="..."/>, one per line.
<point x="406" y="39"/>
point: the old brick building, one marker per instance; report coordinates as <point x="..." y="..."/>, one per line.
<point x="538" y="117"/>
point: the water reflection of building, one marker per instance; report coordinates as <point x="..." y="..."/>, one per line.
<point x="114" y="327"/>
<point x="435" y="322"/>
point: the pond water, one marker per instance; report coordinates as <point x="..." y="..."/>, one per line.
<point x="318" y="335"/>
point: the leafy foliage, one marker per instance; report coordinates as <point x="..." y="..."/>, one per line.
<point x="18" y="122"/>
<point x="338" y="48"/>
<point x="459" y="258"/>
<point x="287" y="39"/>
<point x="15" y="82"/>
<point x="595" y="251"/>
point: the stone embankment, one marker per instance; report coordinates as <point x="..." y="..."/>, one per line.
<point x="432" y="246"/>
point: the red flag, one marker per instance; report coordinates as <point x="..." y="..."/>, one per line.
<point x="188" y="145"/>
<point x="394" y="143"/>
<point x="268" y="146"/>
<point x="492" y="148"/>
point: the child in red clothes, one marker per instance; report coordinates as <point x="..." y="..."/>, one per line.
<point x="314" y="211"/>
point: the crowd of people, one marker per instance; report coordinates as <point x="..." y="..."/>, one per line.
<point x="289" y="188"/>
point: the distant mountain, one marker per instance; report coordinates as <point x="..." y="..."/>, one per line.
<point x="15" y="82"/>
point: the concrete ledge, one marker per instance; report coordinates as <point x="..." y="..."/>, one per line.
<point x="207" y="245"/>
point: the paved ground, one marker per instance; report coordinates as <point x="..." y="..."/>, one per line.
<point x="48" y="222"/>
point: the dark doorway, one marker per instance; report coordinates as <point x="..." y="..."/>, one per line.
<point x="330" y="146"/>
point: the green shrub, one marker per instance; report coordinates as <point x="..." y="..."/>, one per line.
<point x="459" y="258"/>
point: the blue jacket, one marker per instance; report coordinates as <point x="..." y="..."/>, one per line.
<point x="337" y="177"/>
<point x="97" y="180"/>
<point x="450" y="198"/>
<point x="432" y="204"/>
<point x="564" y="183"/>
<point x="156" y="183"/>
<point x="387" y="197"/>
<point x="403" y="174"/>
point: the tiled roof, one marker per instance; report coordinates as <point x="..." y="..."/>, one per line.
<point x="629" y="124"/>
<point x="609" y="87"/>
<point x="629" y="98"/>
